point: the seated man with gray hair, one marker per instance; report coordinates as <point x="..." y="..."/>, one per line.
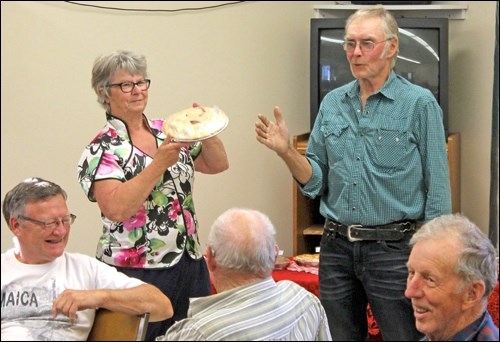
<point x="249" y="305"/>
<point x="451" y="274"/>
<point x="49" y="294"/>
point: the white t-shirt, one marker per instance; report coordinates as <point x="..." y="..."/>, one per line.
<point x="29" y="290"/>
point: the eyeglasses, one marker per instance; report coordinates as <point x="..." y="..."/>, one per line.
<point x="364" y="45"/>
<point x="66" y="221"/>
<point x="128" y="86"/>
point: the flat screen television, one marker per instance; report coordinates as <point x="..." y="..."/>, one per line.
<point x="422" y="58"/>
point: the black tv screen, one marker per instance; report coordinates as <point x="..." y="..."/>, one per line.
<point x="422" y="58"/>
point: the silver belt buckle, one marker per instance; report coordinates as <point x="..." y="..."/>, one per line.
<point x="349" y="236"/>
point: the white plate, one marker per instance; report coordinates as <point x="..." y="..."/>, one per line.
<point x="307" y="263"/>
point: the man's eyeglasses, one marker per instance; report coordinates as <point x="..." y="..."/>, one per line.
<point x="66" y="221"/>
<point x="364" y="45"/>
<point x="128" y="86"/>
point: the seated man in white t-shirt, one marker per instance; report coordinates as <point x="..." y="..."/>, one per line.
<point x="49" y="294"/>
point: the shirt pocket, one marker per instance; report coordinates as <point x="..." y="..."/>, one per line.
<point x="390" y="146"/>
<point x="335" y="135"/>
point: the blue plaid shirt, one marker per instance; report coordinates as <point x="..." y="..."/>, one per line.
<point x="382" y="163"/>
<point x="482" y="329"/>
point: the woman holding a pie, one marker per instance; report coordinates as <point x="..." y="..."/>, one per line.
<point x="142" y="178"/>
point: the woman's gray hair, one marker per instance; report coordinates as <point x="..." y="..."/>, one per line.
<point x="477" y="258"/>
<point x="30" y="190"/>
<point x="243" y="240"/>
<point x="105" y="67"/>
<point x="389" y="25"/>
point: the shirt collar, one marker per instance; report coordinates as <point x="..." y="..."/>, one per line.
<point x="122" y="129"/>
<point x="388" y="89"/>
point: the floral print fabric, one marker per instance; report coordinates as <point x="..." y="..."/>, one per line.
<point x="166" y="225"/>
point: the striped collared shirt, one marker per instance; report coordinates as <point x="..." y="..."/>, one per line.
<point x="260" y="311"/>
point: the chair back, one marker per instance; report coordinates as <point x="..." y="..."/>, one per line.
<point x="116" y="326"/>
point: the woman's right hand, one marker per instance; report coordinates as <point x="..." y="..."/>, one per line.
<point x="168" y="151"/>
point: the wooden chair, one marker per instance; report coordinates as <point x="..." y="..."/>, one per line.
<point x="117" y="326"/>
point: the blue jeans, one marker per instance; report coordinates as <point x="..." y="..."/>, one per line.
<point x="352" y="274"/>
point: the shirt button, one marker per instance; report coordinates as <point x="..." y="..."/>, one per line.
<point x="353" y="208"/>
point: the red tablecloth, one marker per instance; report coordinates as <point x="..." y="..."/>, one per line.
<point x="308" y="281"/>
<point x="493" y="305"/>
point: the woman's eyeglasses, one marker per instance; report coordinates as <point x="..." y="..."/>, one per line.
<point x="128" y="86"/>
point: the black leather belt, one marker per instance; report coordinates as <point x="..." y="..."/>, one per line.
<point x="356" y="232"/>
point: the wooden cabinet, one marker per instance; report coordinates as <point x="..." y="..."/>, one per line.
<point x="453" y="149"/>
<point x="308" y="222"/>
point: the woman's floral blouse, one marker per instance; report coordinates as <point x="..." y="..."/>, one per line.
<point x="166" y="224"/>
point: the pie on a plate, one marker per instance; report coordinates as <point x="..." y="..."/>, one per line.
<point x="281" y="263"/>
<point x="307" y="259"/>
<point x="196" y="123"/>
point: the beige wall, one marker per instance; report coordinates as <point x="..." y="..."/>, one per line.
<point x="245" y="58"/>
<point x="472" y="46"/>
